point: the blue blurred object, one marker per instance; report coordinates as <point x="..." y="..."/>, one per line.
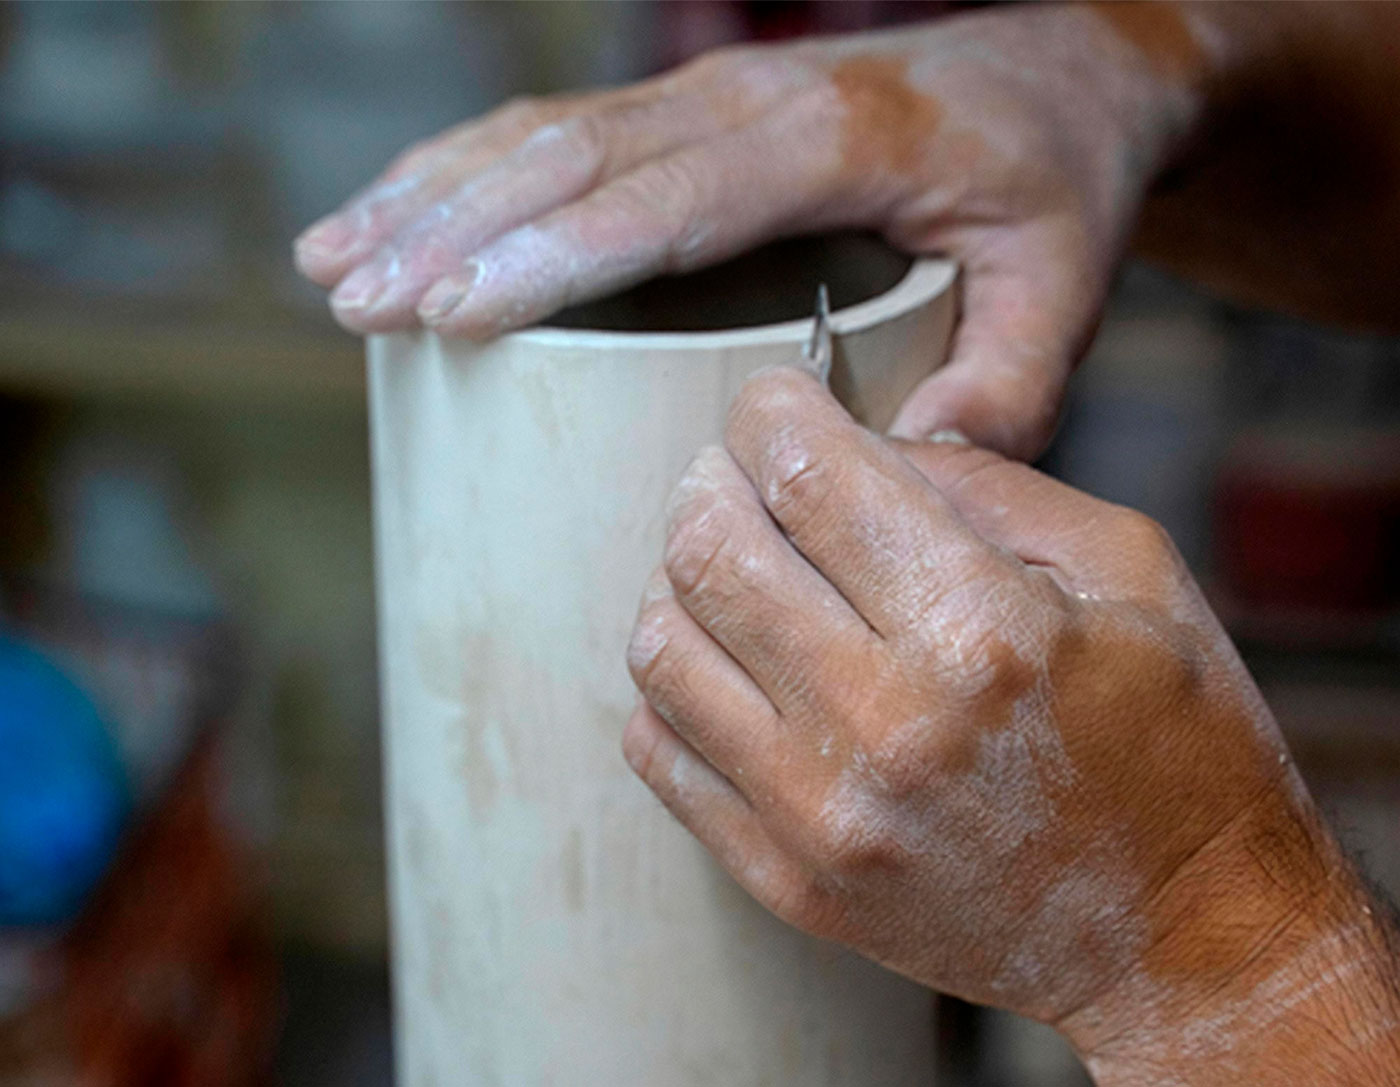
<point x="63" y="791"/>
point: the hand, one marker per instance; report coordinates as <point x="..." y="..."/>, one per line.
<point x="983" y="727"/>
<point x="1018" y="142"/>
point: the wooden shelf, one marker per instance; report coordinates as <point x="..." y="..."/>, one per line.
<point x="66" y="344"/>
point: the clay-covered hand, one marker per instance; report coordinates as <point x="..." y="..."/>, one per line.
<point x="983" y="727"/>
<point x="1019" y="143"/>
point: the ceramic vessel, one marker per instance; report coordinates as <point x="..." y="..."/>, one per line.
<point x="551" y="923"/>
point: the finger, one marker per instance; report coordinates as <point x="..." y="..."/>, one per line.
<point x="555" y="165"/>
<point x="1018" y="339"/>
<point x="333" y="246"/>
<point x="1094" y="546"/>
<point x="705" y="202"/>
<point x="699" y="690"/>
<point x="711" y="809"/>
<point x="421" y="176"/>
<point x="550" y="166"/>
<point x="859" y="512"/>
<point x="751" y="591"/>
<point x="708" y="96"/>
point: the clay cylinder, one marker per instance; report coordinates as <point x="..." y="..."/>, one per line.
<point x="551" y="923"/>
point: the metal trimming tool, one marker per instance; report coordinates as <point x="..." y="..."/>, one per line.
<point x="819" y="348"/>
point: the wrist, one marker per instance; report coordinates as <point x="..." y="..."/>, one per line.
<point x="1200" y="65"/>
<point x="1161" y="65"/>
<point x="1271" y="964"/>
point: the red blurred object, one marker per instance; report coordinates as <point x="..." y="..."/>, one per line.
<point x="691" y="27"/>
<point x="1308" y="524"/>
<point x="169" y="978"/>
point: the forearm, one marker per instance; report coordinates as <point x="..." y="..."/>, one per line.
<point x="1287" y="194"/>
<point x="1281" y="969"/>
<point x="1327" y="1017"/>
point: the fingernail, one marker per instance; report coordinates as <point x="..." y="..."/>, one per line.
<point x="326" y="238"/>
<point x="445" y="298"/>
<point x="431" y="314"/>
<point x="358" y="290"/>
<point x="949" y="435"/>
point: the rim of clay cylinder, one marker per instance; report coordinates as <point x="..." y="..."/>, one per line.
<point x="925" y="280"/>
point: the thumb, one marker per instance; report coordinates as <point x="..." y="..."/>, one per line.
<point x="1005" y="381"/>
<point x="1087" y="543"/>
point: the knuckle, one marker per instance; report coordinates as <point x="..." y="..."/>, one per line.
<point x="663" y="189"/>
<point x="639" y="746"/>
<point x="526" y="113"/>
<point x="517" y="110"/>
<point x="795" y="481"/>
<point x="854" y="850"/>
<point x="768" y="401"/>
<point x="668" y="196"/>
<point x="795" y="899"/>
<point x="718" y="65"/>
<point x="991" y="651"/>
<point x="818" y="102"/>
<point x="695" y="543"/>
<point x="702" y="518"/>
<point x="800" y="491"/>
<point x="1137" y="530"/>
<point x="645" y="646"/>
<point x="657" y="664"/>
<point x="900" y="759"/>
<point x="585" y="138"/>
<point x="412" y="158"/>
<point x="973" y="653"/>
<point x="1147" y="545"/>
<point x="745" y="80"/>
<point x="852" y="835"/>
<point x="768" y="77"/>
<point x="1019" y="376"/>
<point x="766" y="394"/>
<point x="1017" y="395"/>
<point x="825" y="186"/>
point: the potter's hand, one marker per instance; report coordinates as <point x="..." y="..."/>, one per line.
<point x="983" y="727"/>
<point x="1019" y="143"/>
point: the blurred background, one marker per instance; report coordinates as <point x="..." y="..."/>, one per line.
<point x="191" y="857"/>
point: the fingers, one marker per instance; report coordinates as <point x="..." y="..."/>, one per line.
<point x="333" y="245"/>
<point x="702" y="203"/>
<point x="330" y="248"/>
<point x="557" y="163"/>
<point x="859" y="512"/>
<point x="710" y="807"/>
<point x="424" y="174"/>
<point x="733" y="571"/>
<point x="1019" y="335"/>
<point x="698" y="689"/>
<point x="446" y="199"/>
